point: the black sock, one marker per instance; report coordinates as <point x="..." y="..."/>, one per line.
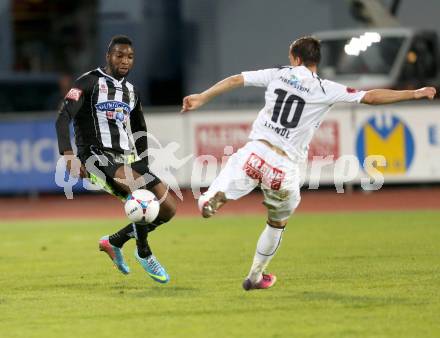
<point x="119" y="238"/>
<point x="152" y="226"/>
<point x="141" y="240"/>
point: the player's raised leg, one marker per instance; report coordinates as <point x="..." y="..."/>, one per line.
<point x="232" y="183"/>
<point x="209" y="205"/>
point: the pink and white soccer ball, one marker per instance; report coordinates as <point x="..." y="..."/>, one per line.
<point x="142" y="206"/>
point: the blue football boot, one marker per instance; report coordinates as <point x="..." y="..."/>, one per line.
<point x="153" y="268"/>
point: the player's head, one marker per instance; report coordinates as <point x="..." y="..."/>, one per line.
<point x="305" y="51"/>
<point x="120" y="56"/>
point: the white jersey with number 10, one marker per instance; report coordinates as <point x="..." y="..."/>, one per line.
<point x="296" y="101"/>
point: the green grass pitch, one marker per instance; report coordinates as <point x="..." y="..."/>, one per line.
<point x="339" y="275"/>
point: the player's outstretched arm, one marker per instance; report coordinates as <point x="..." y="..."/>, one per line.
<point x="384" y="96"/>
<point x="195" y="101"/>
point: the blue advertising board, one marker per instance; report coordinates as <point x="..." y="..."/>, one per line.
<point x="28" y="156"/>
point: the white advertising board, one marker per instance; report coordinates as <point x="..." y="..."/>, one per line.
<point x="189" y="150"/>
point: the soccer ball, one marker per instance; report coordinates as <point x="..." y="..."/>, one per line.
<point x="142" y="206"/>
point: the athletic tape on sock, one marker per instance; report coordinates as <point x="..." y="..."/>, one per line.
<point x="265" y="237"/>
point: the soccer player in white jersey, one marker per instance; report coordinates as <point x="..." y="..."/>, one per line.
<point x="297" y="100"/>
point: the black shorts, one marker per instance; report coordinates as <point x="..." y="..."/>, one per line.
<point x="105" y="162"/>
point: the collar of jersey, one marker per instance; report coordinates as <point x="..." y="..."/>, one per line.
<point x="110" y="77"/>
<point x="307" y="72"/>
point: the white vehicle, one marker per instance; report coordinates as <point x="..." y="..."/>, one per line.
<point x="397" y="58"/>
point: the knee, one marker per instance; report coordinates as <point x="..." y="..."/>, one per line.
<point x="291" y="206"/>
<point x="167" y="212"/>
<point x="279" y="210"/>
<point x="170" y="213"/>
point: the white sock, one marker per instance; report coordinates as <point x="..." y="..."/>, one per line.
<point x="267" y="245"/>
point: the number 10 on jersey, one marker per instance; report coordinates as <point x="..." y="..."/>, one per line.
<point x="288" y="102"/>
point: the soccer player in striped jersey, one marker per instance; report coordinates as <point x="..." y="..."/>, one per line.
<point x="104" y="106"/>
<point x="296" y="101"/>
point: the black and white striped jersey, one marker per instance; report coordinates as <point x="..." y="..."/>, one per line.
<point x="100" y="107"/>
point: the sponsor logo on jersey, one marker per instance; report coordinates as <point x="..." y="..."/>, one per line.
<point x="117" y="114"/>
<point x="103" y="89"/>
<point x="390" y="137"/>
<point x="351" y="90"/>
<point x="112" y="105"/>
<point x="294" y="82"/>
<point x="258" y="169"/>
<point x="114" y="110"/>
<point x="74" y="94"/>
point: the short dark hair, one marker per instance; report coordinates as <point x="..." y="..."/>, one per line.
<point x="308" y="49"/>
<point x="119" y="40"/>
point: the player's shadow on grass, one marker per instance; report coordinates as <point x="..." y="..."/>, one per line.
<point x="355" y="301"/>
<point x="164" y="291"/>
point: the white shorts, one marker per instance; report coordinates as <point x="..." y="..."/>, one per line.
<point x="254" y="165"/>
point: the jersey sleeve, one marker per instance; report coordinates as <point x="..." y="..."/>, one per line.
<point x="337" y="92"/>
<point x="259" y="78"/>
<point x="70" y="106"/>
<point x="139" y="130"/>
